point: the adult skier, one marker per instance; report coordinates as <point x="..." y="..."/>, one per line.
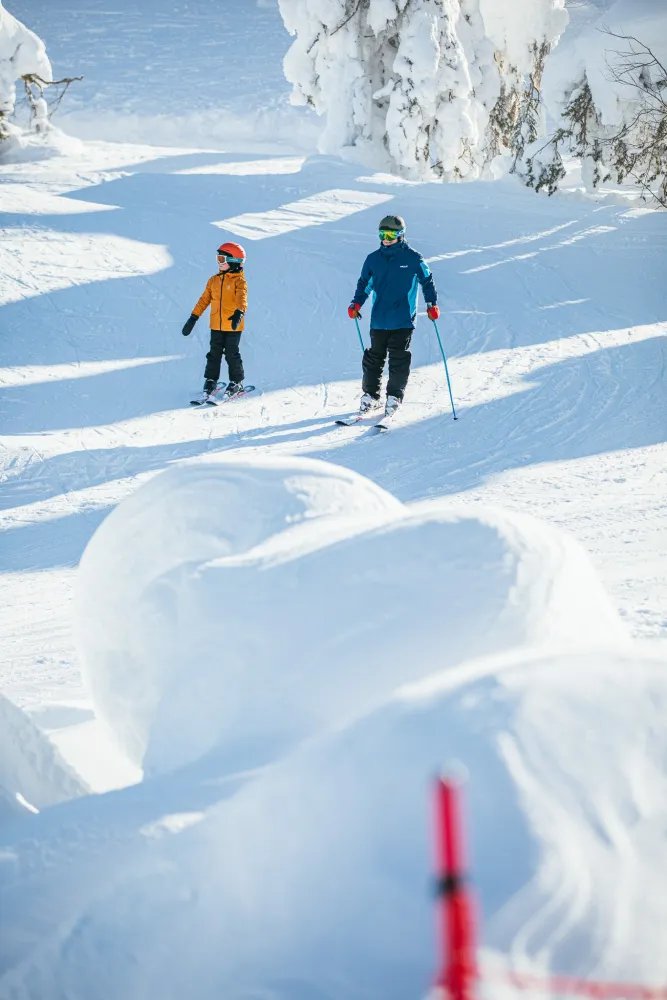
<point x="227" y="294"/>
<point x="393" y="274"/>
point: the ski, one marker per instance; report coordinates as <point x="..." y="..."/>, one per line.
<point x="351" y="421"/>
<point x="229" y="399"/>
<point x="356" y="417"/>
<point x="210" y="401"/>
<point x="384" y="424"/>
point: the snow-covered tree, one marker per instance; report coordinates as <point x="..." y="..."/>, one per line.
<point x="22" y="54"/>
<point x="607" y="93"/>
<point x="421" y="87"/>
<point x="634" y="148"/>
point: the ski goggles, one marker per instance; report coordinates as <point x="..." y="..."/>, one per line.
<point x="222" y="257"/>
<point x="390" y="234"/>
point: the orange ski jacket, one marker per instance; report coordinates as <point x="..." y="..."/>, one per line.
<point x="224" y="293"/>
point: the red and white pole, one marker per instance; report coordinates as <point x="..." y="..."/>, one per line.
<point x="456" y="920"/>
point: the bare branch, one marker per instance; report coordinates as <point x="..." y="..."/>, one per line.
<point x="35" y="78"/>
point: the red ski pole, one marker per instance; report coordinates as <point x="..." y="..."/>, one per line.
<point x="456" y="927"/>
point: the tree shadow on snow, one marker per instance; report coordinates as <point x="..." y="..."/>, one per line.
<point x="610" y="400"/>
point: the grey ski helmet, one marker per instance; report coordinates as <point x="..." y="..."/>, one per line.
<point x="393" y="222"/>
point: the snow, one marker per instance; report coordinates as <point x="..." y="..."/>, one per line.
<point x="22" y="52"/>
<point x="152" y="606"/>
<point x="33" y="775"/>
<point x="501" y="579"/>
<point x="192" y="73"/>
<point x="593" y="51"/>
<point x="328" y="206"/>
<point x="414" y="87"/>
<point x="312" y="873"/>
<point x="44" y="260"/>
<point x="512" y="26"/>
<point x="599" y="55"/>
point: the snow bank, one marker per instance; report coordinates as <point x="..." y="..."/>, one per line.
<point x="310" y="652"/>
<point x="31" y="769"/>
<point x="310" y="879"/>
<point x="21" y="53"/>
<point x="251" y="603"/>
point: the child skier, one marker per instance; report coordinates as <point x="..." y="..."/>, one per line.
<point x="392" y="273"/>
<point x="227" y="294"/>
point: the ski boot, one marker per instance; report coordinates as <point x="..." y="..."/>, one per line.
<point x="233" y="389"/>
<point x="368" y="402"/>
<point x="205" y="395"/>
<point x="392" y="404"/>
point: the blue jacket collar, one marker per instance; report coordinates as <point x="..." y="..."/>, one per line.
<point x="391" y="251"/>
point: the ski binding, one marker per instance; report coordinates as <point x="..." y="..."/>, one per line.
<point x="210" y="401"/>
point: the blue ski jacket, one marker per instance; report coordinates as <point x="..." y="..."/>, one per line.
<point x="393" y="275"/>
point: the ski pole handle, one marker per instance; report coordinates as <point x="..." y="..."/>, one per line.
<point x="361" y="340"/>
<point x="449" y="384"/>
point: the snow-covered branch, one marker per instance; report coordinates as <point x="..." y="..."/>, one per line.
<point x="22" y="54"/>
<point x="609" y="99"/>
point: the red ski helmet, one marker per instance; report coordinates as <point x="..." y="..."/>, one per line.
<point x="234" y="253"/>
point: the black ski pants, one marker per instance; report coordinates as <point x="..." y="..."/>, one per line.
<point x="396" y="344"/>
<point x="224" y="342"/>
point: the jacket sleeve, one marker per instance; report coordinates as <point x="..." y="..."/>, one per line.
<point x="425" y="279"/>
<point x="204" y="301"/>
<point x="365" y="283"/>
<point x="241" y="293"/>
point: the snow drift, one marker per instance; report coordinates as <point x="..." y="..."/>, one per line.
<point x="251" y="603"/>
<point x="310" y="878"/>
<point x="32" y="772"/>
<point x="310" y="652"/>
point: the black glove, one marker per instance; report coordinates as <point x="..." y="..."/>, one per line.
<point x="189" y="326"/>
<point x="236" y="318"/>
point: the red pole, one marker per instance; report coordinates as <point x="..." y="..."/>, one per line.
<point x="456" y="928"/>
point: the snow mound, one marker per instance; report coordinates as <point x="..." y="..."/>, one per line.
<point x="310" y="878"/>
<point x="32" y="772"/>
<point x="248" y="604"/>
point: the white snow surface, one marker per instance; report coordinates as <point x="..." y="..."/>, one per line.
<point x="308" y="878"/>
<point x="272" y="564"/>
<point x="32" y="772"/>
<point x="286" y="854"/>
<point x="197" y="73"/>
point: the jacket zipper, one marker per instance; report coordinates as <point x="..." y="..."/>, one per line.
<point x="222" y="281"/>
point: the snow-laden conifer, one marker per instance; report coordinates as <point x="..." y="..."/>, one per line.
<point x="421" y="87"/>
<point x="22" y="54"/>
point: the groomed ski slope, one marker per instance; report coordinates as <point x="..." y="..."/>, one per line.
<point x="554" y="320"/>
